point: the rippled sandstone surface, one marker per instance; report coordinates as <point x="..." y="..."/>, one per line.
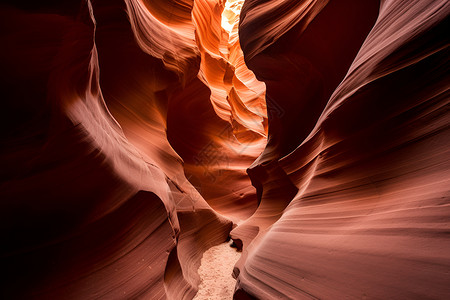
<point x="137" y="134"/>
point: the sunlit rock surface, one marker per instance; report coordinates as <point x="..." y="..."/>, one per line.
<point x="136" y="134"/>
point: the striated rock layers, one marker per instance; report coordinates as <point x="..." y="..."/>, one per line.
<point x="136" y="134"/>
<point x="94" y="201"/>
<point x="363" y="146"/>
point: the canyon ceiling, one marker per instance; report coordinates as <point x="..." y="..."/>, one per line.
<point x="136" y="134"/>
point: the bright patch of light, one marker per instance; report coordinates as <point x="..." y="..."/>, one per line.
<point x="230" y="14"/>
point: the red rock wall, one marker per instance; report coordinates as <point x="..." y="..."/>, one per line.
<point x="368" y="154"/>
<point x="95" y="203"/>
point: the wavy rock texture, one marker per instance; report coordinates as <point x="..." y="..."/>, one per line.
<point x="94" y="199"/>
<point x="226" y="113"/>
<point x="135" y="134"/>
<point x="369" y="218"/>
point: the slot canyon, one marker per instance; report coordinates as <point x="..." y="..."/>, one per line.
<point x="225" y="149"/>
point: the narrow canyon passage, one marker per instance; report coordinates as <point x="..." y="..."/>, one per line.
<point x="140" y="138"/>
<point x="219" y="174"/>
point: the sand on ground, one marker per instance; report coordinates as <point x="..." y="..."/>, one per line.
<point x="215" y="271"/>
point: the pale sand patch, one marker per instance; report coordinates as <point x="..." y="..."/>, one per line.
<point x="215" y="271"/>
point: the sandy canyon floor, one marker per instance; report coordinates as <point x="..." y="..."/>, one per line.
<point x="215" y="272"/>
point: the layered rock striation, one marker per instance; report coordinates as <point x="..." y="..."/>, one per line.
<point x="364" y="140"/>
<point x="137" y="134"/>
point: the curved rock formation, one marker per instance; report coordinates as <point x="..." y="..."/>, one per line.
<point x="222" y="151"/>
<point x="94" y="200"/>
<point x="136" y="134"/>
<point x="371" y="166"/>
